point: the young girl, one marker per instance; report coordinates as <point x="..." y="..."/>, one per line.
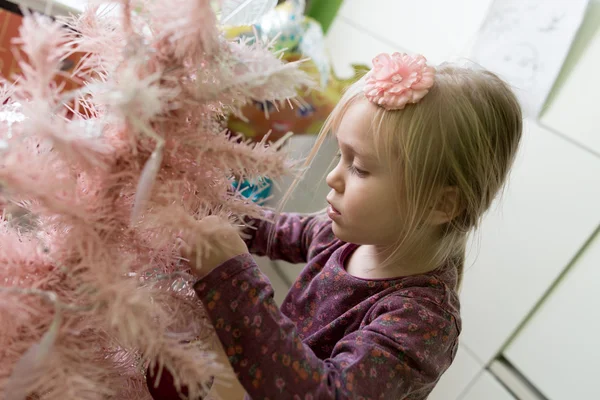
<point x="375" y="313"/>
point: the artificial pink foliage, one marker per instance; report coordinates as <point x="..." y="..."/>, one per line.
<point x="92" y="287"/>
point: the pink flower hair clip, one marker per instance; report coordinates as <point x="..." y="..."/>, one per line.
<point x="398" y="79"/>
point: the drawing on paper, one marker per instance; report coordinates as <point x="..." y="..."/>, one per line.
<point x="526" y="42"/>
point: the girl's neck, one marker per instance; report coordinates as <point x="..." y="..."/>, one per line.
<point x="378" y="262"/>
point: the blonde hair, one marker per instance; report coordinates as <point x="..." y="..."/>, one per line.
<point x="463" y="134"/>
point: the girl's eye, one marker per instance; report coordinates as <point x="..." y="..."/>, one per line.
<point x="353" y="170"/>
<point x="358" y="172"/>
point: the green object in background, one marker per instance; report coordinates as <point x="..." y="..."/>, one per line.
<point x="323" y="11"/>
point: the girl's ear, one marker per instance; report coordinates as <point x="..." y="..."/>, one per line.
<point x="447" y="206"/>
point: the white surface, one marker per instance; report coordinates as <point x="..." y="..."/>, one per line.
<point x="558" y="349"/>
<point x="573" y="106"/>
<point x="242" y="12"/>
<point x="550" y="208"/>
<point x="55" y="8"/>
<point x="526" y="42"/>
<point x="348" y="45"/>
<point x="486" y="387"/>
<point x="439" y="29"/>
<point x="460" y="374"/>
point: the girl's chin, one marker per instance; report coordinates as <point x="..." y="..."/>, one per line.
<point x="340" y="232"/>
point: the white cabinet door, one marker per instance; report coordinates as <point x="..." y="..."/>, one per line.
<point x="573" y="104"/>
<point x="549" y="210"/>
<point x="559" y="348"/>
<point x="486" y="387"/>
<point x="460" y="374"/>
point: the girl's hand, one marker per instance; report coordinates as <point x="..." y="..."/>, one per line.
<point x="219" y="242"/>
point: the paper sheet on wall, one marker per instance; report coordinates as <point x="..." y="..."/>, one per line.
<point x="526" y="43"/>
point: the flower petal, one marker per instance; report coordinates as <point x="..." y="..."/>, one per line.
<point x="383" y="86"/>
<point x="383" y="67"/>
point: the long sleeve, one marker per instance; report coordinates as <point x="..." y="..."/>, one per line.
<point x="399" y="352"/>
<point x="292" y="236"/>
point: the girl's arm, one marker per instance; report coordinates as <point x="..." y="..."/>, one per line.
<point x="403" y="349"/>
<point x="292" y="235"/>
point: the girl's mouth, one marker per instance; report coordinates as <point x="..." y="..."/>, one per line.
<point x="332" y="212"/>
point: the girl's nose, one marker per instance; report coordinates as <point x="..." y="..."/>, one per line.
<point x="335" y="180"/>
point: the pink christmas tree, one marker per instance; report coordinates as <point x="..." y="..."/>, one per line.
<point x="102" y="181"/>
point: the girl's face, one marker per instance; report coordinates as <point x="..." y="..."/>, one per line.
<point x="363" y="206"/>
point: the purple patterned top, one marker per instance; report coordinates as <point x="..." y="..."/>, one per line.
<point x="336" y="336"/>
